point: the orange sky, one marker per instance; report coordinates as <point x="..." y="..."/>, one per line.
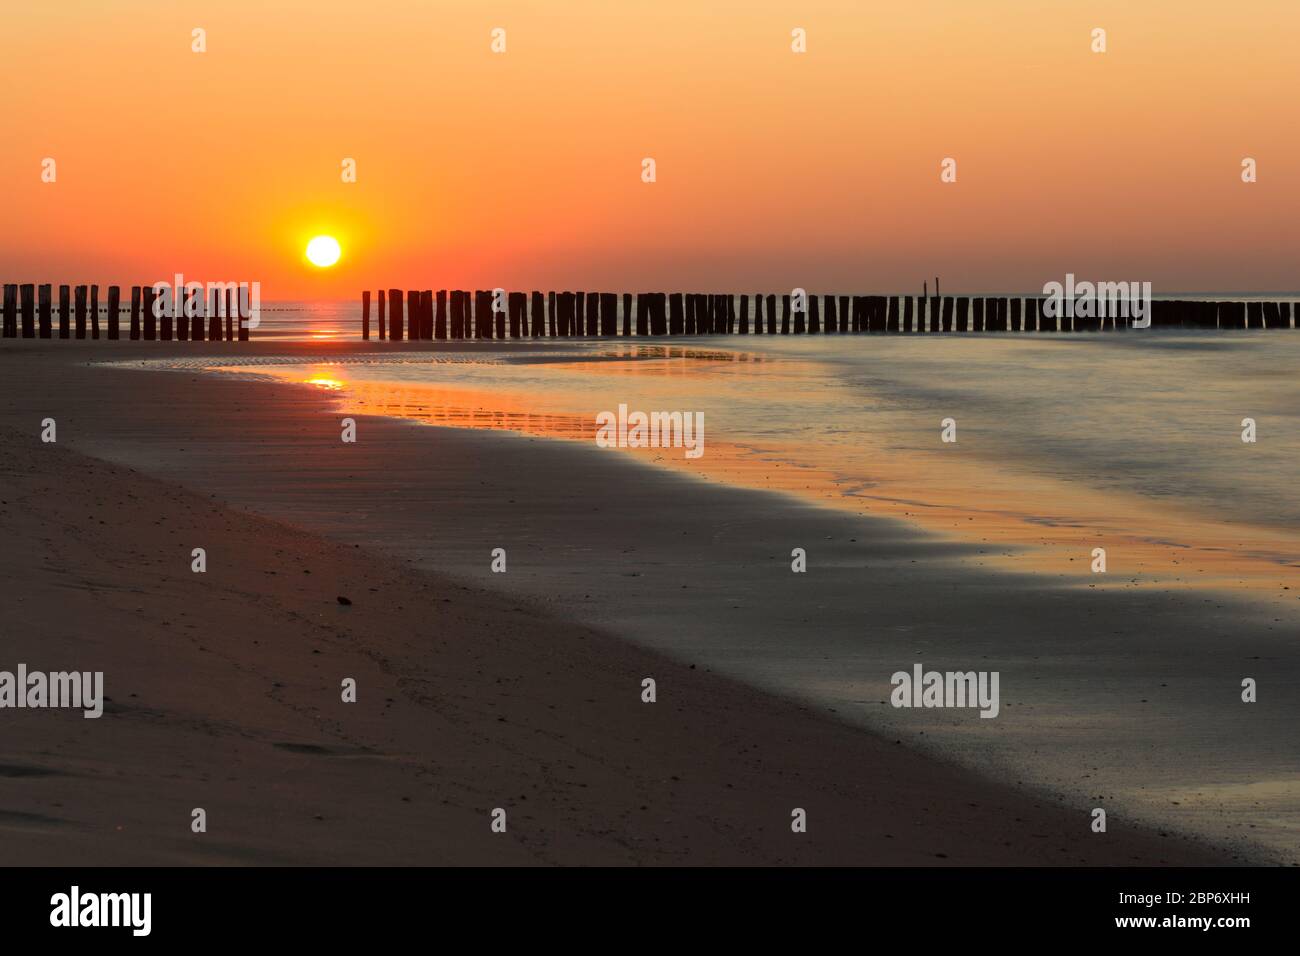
<point x="775" y="170"/>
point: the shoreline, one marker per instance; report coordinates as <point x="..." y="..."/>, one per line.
<point x="283" y="424"/>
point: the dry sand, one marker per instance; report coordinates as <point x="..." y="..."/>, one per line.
<point x="224" y="686"/>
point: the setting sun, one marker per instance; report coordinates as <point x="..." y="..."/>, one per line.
<point x="323" y="251"/>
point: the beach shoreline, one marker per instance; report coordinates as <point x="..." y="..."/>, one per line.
<point x="721" y="801"/>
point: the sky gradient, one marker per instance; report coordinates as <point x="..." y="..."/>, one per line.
<point x="775" y="170"/>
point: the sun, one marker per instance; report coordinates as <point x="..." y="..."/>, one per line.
<point x="323" y="251"/>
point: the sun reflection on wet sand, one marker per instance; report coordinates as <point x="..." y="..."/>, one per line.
<point x="1149" y="543"/>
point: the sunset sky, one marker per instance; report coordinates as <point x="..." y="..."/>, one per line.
<point x="775" y="169"/>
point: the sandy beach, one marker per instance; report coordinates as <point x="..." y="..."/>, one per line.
<point x="224" y="692"/>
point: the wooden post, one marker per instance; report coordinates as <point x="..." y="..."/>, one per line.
<point x="948" y="305"/>
<point x="676" y="314"/>
<point x="517" y="302"/>
<point x="1015" y="323"/>
<point x="758" y="315"/>
<point x="65" y="296"/>
<point x="182" y="310"/>
<point x="455" y="324"/>
<point x="395" y="315"/>
<point x="43" y="311"/>
<point x="961" y="312"/>
<point x="134" y="331"/>
<point x="922" y="325"/>
<point x="80" y="312"/>
<point x="593" y="313"/>
<point x="800" y="322"/>
<point x="627" y="313"/>
<point x="412" y="301"/>
<point x="537" y="326"/>
<point x="440" y="315"/>
<point x="1031" y="315"/>
<point x="894" y="321"/>
<point x="785" y="315"/>
<point x="498" y="316"/>
<point x="10" y="324"/>
<point x="1272" y="316"/>
<point x="213" y="306"/>
<point x="114" y="312"/>
<point x="877" y="314"/>
<point x="814" y="315"/>
<point x="659" y="317"/>
<point x="150" y="320"/>
<point x="94" y="311"/>
<point x="365" y="314"/>
<point x="426" y="315"/>
<point x="907" y="316"/>
<point x="609" y="314"/>
<point x="200" y="315"/>
<point x="27" y="310"/>
<point x="742" y="317"/>
<point x="731" y="314"/>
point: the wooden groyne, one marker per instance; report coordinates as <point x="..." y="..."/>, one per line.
<point x="454" y="314"/>
<point x="30" y="311"/>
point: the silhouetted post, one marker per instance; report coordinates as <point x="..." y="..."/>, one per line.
<point x="627" y="313"/>
<point x="907" y="315"/>
<point x="80" y="312"/>
<point x="114" y="312"/>
<point x="758" y="315"/>
<point x="800" y="321"/>
<point x="412" y="315"/>
<point x="961" y="312"/>
<point x="893" y="323"/>
<point x="426" y="315"/>
<point x="200" y="315"/>
<point x="814" y="316"/>
<point x="877" y="315"/>
<point x="1272" y="316"/>
<point x="921" y="324"/>
<point x="455" y="320"/>
<point x="365" y="315"/>
<point x="440" y="315"/>
<point x="27" y="309"/>
<point x="65" y="296"/>
<point x="10" y="324"/>
<point x="731" y="314"/>
<point x="976" y="323"/>
<point x="658" y="313"/>
<point x="828" y="302"/>
<point x="844" y="314"/>
<point x="516" y="302"/>
<point x="551" y="317"/>
<point x="147" y="296"/>
<point x="383" y="316"/>
<point x="94" y="311"/>
<point x="1031" y="315"/>
<point x="232" y="312"/>
<point x="677" y="314"/>
<point x="1287" y="322"/>
<point x="217" y="301"/>
<point x="785" y="315"/>
<point x="184" y="308"/>
<point x="134" y="330"/>
<point x="498" y="316"/>
<point x="1015" y="322"/>
<point x="43" y="310"/>
<point x="608" y="313"/>
<point x="742" y="317"/>
<point x="395" y="315"/>
<point x="537" y="315"/>
<point x="593" y="313"/>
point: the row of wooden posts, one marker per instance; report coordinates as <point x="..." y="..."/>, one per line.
<point x="461" y="315"/>
<point x="29" y="312"/>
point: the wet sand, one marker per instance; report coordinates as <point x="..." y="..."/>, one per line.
<point x="502" y="697"/>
